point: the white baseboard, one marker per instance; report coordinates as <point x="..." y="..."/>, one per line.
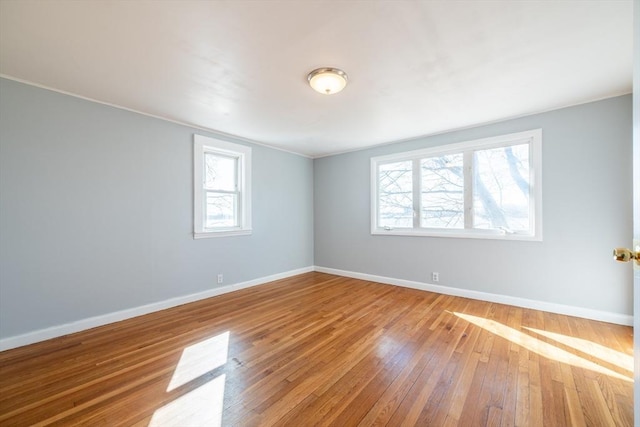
<point x="569" y="310"/>
<point x="92" y="322"/>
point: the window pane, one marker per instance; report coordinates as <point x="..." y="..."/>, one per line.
<point x="220" y="172"/>
<point x="221" y="210"/>
<point x="442" y="194"/>
<point x="395" y="198"/>
<point x="501" y="188"/>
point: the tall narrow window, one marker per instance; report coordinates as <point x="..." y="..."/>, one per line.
<point x="222" y="188"/>
<point x="489" y="188"/>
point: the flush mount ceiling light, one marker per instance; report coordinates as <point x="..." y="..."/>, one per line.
<point x="327" y="80"/>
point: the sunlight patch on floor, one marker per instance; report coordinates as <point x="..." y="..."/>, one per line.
<point x="537" y="346"/>
<point x="617" y="358"/>
<point x="202" y="406"/>
<point x="200" y="358"/>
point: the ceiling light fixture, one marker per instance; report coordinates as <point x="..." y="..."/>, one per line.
<point x="327" y="80"/>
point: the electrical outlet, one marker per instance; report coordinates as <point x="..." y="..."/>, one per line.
<point x="220" y="278"/>
<point x="435" y="276"/>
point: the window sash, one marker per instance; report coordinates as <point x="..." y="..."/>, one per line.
<point x="234" y="192"/>
<point x="235" y="178"/>
<point x="516" y="186"/>
<point x="445" y="182"/>
<point x="237" y="204"/>
<point x="226" y="222"/>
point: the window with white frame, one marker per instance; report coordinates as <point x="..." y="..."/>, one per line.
<point x="487" y="188"/>
<point x="222" y="188"/>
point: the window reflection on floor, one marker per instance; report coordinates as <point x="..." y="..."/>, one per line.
<point x="617" y="358"/>
<point x="540" y="347"/>
<point x="202" y="406"/>
<point x="200" y="358"/>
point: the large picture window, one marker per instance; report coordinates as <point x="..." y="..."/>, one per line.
<point x="222" y="188"/>
<point x="488" y="188"/>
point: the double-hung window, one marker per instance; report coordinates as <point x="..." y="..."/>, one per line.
<point x="222" y="188"/>
<point x="488" y="188"/>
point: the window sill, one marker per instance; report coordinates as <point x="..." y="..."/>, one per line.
<point x="459" y="234"/>
<point x="222" y="233"/>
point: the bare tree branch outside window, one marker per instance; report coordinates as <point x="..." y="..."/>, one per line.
<point x="221" y="191"/>
<point x="500" y="190"/>
<point x="395" y="197"/>
<point x="442" y="192"/>
<point x="501" y="184"/>
<point x="484" y="188"/>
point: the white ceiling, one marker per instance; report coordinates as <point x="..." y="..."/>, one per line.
<point x="239" y="67"/>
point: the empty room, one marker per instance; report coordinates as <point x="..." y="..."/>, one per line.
<point x="319" y="213"/>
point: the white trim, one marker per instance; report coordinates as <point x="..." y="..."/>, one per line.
<point x="458" y="233"/>
<point x="92" y="322"/>
<point x="225" y="233"/>
<point x="569" y="310"/>
<point x="204" y="144"/>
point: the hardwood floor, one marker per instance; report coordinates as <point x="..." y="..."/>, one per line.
<point x="318" y="349"/>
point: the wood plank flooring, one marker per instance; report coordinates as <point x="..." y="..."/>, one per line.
<point x="318" y="349"/>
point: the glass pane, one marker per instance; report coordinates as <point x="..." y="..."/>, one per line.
<point x="501" y="188"/>
<point x="221" y="210"/>
<point x="442" y="194"/>
<point x="220" y="172"/>
<point x="395" y="195"/>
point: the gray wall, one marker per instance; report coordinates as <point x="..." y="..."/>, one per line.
<point x="96" y="212"/>
<point x="587" y="208"/>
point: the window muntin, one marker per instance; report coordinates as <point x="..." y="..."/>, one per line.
<point x="487" y="188"/>
<point x="222" y="188"/>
